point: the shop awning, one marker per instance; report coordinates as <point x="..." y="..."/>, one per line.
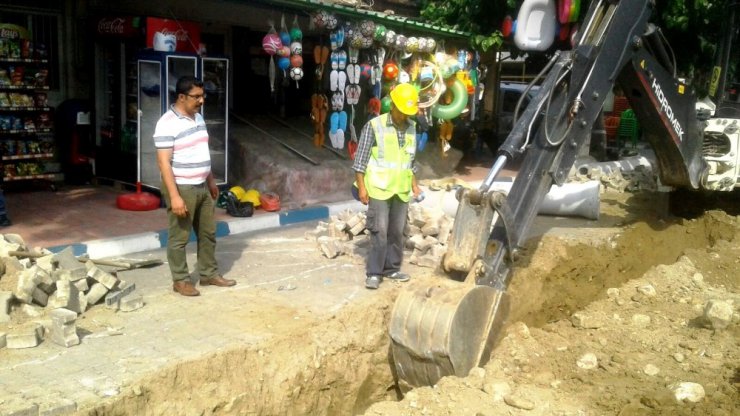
<point x="392" y="21"/>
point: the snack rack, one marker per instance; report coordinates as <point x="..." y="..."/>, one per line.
<point x="26" y="120"/>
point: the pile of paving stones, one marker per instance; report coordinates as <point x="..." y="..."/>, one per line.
<point x="346" y="234"/>
<point x="42" y="294"/>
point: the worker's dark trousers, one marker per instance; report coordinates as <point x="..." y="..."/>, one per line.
<point x="200" y="219"/>
<point x="386" y="221"/>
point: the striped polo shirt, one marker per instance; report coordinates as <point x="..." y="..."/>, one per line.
<point x="188" y="139"/>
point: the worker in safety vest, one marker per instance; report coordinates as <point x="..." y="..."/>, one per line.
<point x="384" y="172"/>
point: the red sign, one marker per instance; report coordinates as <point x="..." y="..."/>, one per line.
<point x="186" y="33"/>
<point x="117" y="26"/>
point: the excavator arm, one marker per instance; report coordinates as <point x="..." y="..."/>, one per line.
<point x="450" y="328"/>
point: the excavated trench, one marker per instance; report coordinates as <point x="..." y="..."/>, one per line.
<point x="340" y="365"/>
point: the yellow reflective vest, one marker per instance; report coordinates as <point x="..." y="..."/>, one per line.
<point x="389" y="171"/>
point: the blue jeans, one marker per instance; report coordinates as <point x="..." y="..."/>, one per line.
<point x="386" y="220"/>
<point x="3" y="209"/>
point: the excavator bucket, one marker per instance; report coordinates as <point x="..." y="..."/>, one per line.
<point x="445" y="329"/>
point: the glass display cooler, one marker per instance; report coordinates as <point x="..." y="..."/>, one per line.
<point x="158" y="73"/>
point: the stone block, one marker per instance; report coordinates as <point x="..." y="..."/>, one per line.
<point x="47" y="263"/>
<point x="113" y="297"/>
<point x="66" y="259"/>
<point x="21" y="409"/>
<point x="3" y="336"/>
<point x="358" y="228"/>
<point x="104" y="278"/>
<point x="63" y="328"/>
<point x="82" y="285"/>
<point x="83" y="302"/>
<point x="67" y="296"/>
<point x="40" y="297"/>
<point x="13" y="265"/>
<point x="430" y="230"/>
<point x="26" y="336"/>
<point x="330" y="247"/>
<point x="46" y="282"/>
<point x="32" y="311"/>
<point x="131" y="302"/>
<point x="6" y="299"/>
<point x="96" y="292"/>
<point x="28" y="279"/>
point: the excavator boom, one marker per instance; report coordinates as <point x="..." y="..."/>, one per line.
<point x="617" y="46"/>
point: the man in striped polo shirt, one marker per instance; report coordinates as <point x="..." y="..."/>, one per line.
<point x="188" y="187"/>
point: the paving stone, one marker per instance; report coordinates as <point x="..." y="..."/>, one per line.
<point x="26" y="336"/>
<point x="63" y="327"/>
<point x="6" y="246"/>
<point x="113" y="297"/>
<point x="96" y="292"/>
<point x="47" y="263"/>
<point x="67" y="296"/>
<point x="28" y="279"/>
<point x="40" y="297"/>
<point x="101" y="276"/>
<point x="13" y="265"/>
<point x="131" y="302"/>
<point x="82" y="285"/>
<point x="3" y="341"/>
<point x="46" y="282"/>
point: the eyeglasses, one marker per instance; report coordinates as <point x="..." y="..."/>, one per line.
<point x="196" y="97"/>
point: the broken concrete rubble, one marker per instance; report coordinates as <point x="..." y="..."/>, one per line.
<point x="427" y="229"/>
<point x="53" y="289"/>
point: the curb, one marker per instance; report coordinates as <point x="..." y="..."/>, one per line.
<point x="154" y="240"/>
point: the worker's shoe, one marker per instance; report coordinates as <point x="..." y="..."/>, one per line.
<point x="217" y="281"/>
<point x="398" y="277"/>
<point x="185" y="288"/>
<point x="5" y="221"/>
<point x="373" y="282"/>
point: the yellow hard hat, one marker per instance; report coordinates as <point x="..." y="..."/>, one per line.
<point x="406" y="99"/>
<point x="238" y="192"/>
<point x="253" y="196"/>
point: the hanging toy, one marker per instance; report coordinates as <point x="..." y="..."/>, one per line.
<point x="296" y="35"/>
<point x="390" y="71"/>
<point x="320" y="19"/>
<point x="271" y="43"/>
<point x="283" y="63"/>
<point x="284" y="34"/>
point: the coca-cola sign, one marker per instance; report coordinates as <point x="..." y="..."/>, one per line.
<point x="117" y="26"/>
<point x="187" y="33"/>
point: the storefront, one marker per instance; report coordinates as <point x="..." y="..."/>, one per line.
<point x="103" y="59"/>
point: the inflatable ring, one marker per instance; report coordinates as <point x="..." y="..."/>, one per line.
<point x="459" y="101"/>
<point x="575" y="10"/>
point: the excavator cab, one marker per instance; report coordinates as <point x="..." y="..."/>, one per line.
<point x="450" y="327"/>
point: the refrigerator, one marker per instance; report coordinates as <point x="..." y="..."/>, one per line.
<point x="157" y="75"/>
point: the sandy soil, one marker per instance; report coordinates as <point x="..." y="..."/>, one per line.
<point x="610" y="328"/>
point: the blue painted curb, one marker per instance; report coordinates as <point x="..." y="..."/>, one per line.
<point x="117" y="246"/>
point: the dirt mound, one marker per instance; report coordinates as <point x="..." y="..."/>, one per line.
<point x="614" y="328"/>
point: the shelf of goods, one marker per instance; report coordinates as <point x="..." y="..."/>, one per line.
<point x="26" y="121"/>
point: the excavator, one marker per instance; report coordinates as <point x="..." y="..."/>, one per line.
<point x="451" y="326"/>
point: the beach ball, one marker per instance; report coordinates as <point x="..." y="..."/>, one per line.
<point x="283" y="51"/>
<point x="366" y="71"/>
<point x="356" y="40"/>
<point x="331" y="22"/>
<point x="400" y="43"/>
<point x="271" y="43"/>
<point x="283" y="63"/>
<point x="431" y="45"/>
<point x="295" y="34"/>
<point x="379" y="33"/>
<point x="296" y="48"/>
<point x="412" y="44"/>
<point x="385" y="104"/>
<point x="285" y="38"/>
<point x="367" y="42"/>
<point x="390" y="38"/>
<point x="320" y="19"/>
<point x="367" y="28"/>
<point x="390" y="71"/>
<point x="296" y="73"/>
<point x="296" y="60"/>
